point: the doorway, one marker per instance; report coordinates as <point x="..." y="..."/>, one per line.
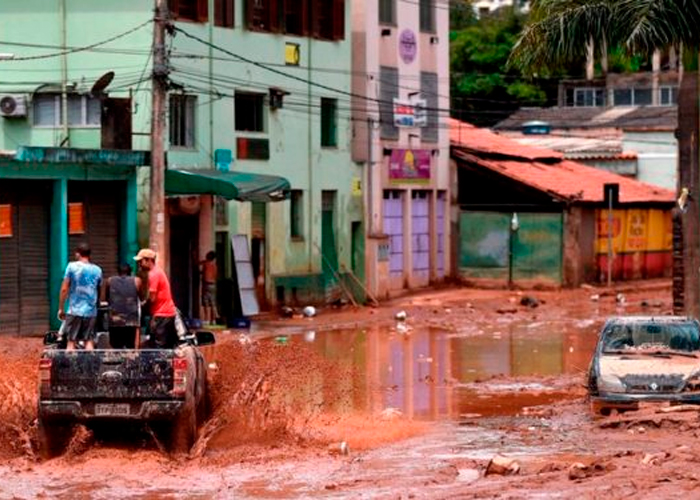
<point x="258" y="224"/>
<point x="184" y="263"/>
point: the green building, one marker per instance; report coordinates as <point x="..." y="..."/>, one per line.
<point x="258" y="110"/>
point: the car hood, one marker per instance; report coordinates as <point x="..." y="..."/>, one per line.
<point x="623" y="365"/>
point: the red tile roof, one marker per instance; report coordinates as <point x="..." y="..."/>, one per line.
<point x="546" y="170"/>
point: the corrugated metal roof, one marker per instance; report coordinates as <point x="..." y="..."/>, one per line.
<point x="546" y="170"/>
<point x="571" y="117"/>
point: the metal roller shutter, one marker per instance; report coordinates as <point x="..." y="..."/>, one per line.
<point x="24" y="259"/>
<point x="102" y="211"/>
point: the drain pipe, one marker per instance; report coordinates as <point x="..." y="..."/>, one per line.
<point x="65" y="139"/>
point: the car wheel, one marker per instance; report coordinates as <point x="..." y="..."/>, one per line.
<point x="183" y="433"/>
<point x="599" y="409"/>
<point x="53" y="438"/>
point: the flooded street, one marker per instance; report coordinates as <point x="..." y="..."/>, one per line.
<point x="422" y="406"/>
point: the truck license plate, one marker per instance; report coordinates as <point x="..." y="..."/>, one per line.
<point x="111" y="409"/>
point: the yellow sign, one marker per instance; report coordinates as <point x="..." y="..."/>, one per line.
<point x="356" y="186"/>
<point x="636" y="230"/>
<point x="292" y="54"/>
<point x="5" y="221"/>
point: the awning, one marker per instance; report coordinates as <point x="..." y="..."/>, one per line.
<point x="241" y="186"/>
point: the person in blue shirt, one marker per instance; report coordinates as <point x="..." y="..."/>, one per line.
<point x="81" y="286"/>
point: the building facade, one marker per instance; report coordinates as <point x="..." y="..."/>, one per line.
<point x="400" y="107"/>
<point x="256" y="89"/>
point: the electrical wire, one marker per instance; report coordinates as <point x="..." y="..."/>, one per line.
<point x="74" y="50"/>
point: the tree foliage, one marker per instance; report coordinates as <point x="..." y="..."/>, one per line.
<point x="484" y="88"/>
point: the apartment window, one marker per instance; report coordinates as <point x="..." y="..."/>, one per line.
<point x="328" y="19"/>
<point x="622" y="97"/>
<point x="429" y="91"/>
<point x="223" y="13"/>
<point x="329" y="122"/>
<point x="182" y="122"/>
<point x="83" y="110"/>
<point x="249" y="114"/>
<point x="387" y="12"/>
<point x="668" y="96"/>
<point x="262" y="15"/>
<point x="427" y="16"/>
<point x="295" y="17"/>
<point x="190" y="10"/>
<point x="589" y="97"/>
<point x="296" y="214"/>
<point x="388" y="90"/>
<point x="643" y="97"/>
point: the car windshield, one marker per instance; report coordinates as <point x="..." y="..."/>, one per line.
<point x="682" y="337"/>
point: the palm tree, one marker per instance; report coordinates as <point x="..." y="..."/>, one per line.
<point x="564" y="31"/>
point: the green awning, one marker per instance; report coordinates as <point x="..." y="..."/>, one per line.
<point x="241" y="186"/>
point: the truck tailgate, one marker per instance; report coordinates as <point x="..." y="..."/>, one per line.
<point x="111" y="374"/>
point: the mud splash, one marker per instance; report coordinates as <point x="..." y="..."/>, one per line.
<point x="18" y="408"/>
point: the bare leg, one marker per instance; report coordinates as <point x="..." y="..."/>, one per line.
<point x="70" y="346"/>
<point x="137" y="338"/>
<point x="89" y="345"/>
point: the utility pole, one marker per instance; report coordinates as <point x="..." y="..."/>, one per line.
<point x="159" y="93"/>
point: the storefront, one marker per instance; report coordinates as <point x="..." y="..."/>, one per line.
<point x="51" y="200"/>
<point x="410" y="252"/>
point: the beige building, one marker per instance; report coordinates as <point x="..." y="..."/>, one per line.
<point x="400" y="109"/>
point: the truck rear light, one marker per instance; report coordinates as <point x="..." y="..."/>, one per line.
<point x="179" y="376"/>
<point x="45" y="376"/>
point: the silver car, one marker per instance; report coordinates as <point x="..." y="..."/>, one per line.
<point x="645" y="358"/>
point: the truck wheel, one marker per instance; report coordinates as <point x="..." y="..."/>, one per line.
<point x="184" y="429"/>
<point x="53" y="438"/>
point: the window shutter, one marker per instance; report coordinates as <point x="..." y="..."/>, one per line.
<point x="202" y="10"/>
<point x="229" y="19"/>
<point x="273" y="12"/>
<point x="249" y="13"/>
<point x="174" y="6"/>
<point x="219" y="11"/>
<point x="338" y="19"/>
<point x="305" y="18"/>
<point x="314" y="11"/>
<point x="429" y="89"/>
<point x="388" y="89"/>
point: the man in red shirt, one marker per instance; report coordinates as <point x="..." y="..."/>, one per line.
<point x="162" y="329"/>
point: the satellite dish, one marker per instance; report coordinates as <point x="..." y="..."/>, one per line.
<point x="101" y="84"/>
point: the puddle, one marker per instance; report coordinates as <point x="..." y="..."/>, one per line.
<point x="434" y="375"/>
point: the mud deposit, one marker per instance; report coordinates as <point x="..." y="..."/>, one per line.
<point x="424" y="408"/>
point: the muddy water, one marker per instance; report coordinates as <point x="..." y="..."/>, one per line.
<point x="428" y="373"/>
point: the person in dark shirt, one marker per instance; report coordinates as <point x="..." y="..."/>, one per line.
<point x="122" y="294"/>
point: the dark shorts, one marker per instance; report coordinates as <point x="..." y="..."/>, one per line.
<point x="79" y="328"/>
<point x="162" y="333"/>
<point x="123" y="337"/>
<point x="208" y="294"/>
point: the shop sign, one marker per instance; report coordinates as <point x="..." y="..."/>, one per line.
<point x="5" y="221"/>
<point x="410" y="113"/>
<point x="408" y="46"/>
<point x="76" y="218"/>
<point x="36" y="154"/>
<point x="409" y="165"/>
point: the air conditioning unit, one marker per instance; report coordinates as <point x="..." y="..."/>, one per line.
<point x="13" y="106"/>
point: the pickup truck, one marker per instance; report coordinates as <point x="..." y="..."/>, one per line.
<point x="163" y="388"/>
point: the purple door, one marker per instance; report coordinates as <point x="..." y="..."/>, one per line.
<point x="393" y="228"/>
<point x="420" y="236"/>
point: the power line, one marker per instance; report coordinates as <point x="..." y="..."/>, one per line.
<point x="74" y="50"/>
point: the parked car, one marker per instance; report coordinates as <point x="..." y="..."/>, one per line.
<point x="163" y="388"/>
<point x="645" y="359"/>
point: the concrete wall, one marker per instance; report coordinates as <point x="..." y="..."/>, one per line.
<point x="657" y="156"/>
<point x="377" y="45"/>
<point x="213" y="76"/>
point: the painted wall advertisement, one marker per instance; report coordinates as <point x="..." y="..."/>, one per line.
<point x="410" y="113"/>
<point x="409" y="165"/>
